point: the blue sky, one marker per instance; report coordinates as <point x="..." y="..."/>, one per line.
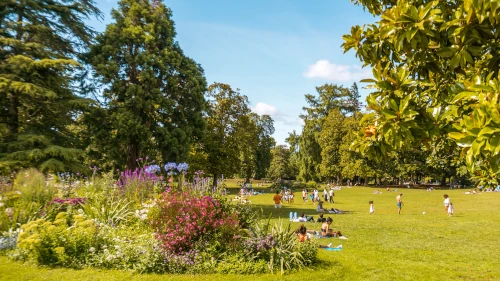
<point x="274" y="51"/>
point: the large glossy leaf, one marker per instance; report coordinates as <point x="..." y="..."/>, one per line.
<point x="456" y="135"/>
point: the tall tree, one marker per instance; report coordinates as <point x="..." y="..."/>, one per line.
<point x="248" y="145"/>
<point x="153" y="93"/>
<point x="227" y="114"/>
<point x="265" y="125"/>
<point x="330" y="97"/>
<point x="39" y="44"/>
<point x="330" y="140"/>
<point x="436" y="67"/>
<point x="280" y="163"/>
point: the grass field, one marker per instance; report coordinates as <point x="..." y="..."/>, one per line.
<point x="382" y="246"/>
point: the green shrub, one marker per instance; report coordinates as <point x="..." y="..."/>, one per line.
<point x="311" y="184"/>
<point x="238" y="264"/>
<point x="31" y="183"/>
<point x="288" y="253"/>
<point x="128" y="248"/>
<point x="58" y="243"/>
<point x="110" y="210"/>
<point x="299" y="185"/>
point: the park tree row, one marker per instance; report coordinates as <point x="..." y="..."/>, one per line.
<point x="324" y="152"/>
<point x="72" y="98"/>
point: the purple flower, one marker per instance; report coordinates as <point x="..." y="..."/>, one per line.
<point x="170" y="166"/>
<point x="182" y="167"/>
<point x="152" y="169"/>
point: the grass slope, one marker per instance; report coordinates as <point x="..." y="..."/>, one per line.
<point x="382" y="246"/>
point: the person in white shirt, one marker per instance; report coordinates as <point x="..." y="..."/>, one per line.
<point x="446" y="202"/>
<point x="450" y="209"/>
<point x="331" y="195"/>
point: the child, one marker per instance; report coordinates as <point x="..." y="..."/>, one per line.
<point x="372" y="209"/>
<point x="450" y="210"/>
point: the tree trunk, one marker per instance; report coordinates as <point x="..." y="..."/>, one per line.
<point x="13" y="117"/>
<point x="132" y="155"/>
<point x="214" y="184"/>
<point x="443" y="181"/>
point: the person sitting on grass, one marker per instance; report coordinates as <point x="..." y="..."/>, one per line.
<point x="321" y="218"/>
<point x="327" y="232"/>
<point x="320" y="208"/>
<point x="304" y="218"/>
<point x="302" y="235"/>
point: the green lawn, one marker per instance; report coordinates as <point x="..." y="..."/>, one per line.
<point x="382" y="246"/>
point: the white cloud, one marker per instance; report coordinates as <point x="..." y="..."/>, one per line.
<point x="336" y="72"/>
<point x="280" y="118"/>
<point x="265" y="109"/>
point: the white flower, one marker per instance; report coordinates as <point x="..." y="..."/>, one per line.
<point x="117" y="247"/>
<point x="1" y="204"/>
<point x="9" y="212"/>
<point x="92" y="249"/>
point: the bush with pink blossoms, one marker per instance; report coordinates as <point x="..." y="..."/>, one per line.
<point x="184" y="222"/>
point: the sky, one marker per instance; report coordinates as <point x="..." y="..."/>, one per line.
<point x="274" y="51"/>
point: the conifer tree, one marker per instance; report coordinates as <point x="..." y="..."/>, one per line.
<point x="39" y="43"/>
<point x="153" y="94"/>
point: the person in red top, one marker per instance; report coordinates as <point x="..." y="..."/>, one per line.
<point x="277" y="200"/>
<point x="302" y="235"/>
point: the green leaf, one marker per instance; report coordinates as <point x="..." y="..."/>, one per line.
<point x="446" y="52"/>
<point x="456" y="135"/>
<point x="366" y="117"/>
<point x="465" y="96"/>
<point x="404" y="103"/>
<point x="465" y="142"/>
<point x="388" y="114"/>
<point x="393" y="105"/>
<point x="494" y="143"/>
<point x="488" y="131"/>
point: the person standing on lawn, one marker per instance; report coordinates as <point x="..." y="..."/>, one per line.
<point x="277" y="200"/>
<point x="331" y="195"/>
<point x="446" y="202"/>
<point x="399" y="202"/>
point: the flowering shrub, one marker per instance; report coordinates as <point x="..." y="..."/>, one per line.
<point x="57" y="243"/>
<point x="58" y="205"/>
<point x="127" y="248"/>
<point x="68" y="201"/>
<point x="184" y="222"/>
<point x="139" y="184"/>
<point x="259" y="247"/>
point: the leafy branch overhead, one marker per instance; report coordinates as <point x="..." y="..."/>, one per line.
<point x="436" y="75"/>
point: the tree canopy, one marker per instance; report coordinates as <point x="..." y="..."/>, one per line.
<point x="40" y="45"/>
<point x="436" y="77"/>
<point x="153" y="94"/>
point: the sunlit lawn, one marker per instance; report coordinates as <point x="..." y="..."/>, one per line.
<point x="382" y="246"/>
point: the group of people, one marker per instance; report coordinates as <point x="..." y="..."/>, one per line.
<point x="285" y="195"/>
<point x="448" y="206"/>
<point x="314" y="196"/>
<point x="325" y="232"/>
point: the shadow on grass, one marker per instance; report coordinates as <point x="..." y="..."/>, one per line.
<point x="284" y="211"/>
